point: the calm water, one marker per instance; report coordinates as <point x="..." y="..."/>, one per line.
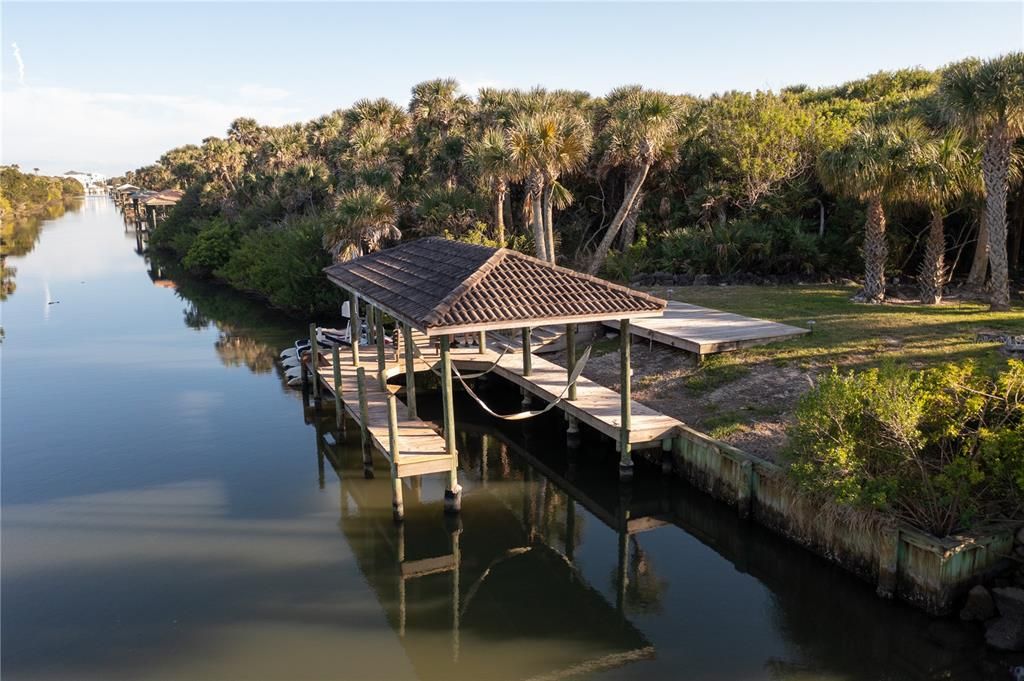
<point x="170" y="511"/>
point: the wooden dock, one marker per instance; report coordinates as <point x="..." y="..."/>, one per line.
<point x="421" y="450"/>
<point x="705" y="331"/>
<point x="595" y="405"/>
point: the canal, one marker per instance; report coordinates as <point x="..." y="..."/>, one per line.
<point x="169" y="510"/>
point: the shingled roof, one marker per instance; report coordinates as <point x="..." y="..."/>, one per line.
<point x="439" y="287"/>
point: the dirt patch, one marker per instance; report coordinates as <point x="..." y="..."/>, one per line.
<point x="747" y="406"/>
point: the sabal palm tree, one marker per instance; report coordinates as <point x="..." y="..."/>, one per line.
<point x="360" y="222"/>
<point x="544" y="145"/>
<point x="987" y="99"/>
<point x="223" y="159"/>
<point x="941" y="174"/>
<point x="491" y="159"/>
<point x="873" y="166"/>
<point x="568" y="138"/>
<point x="639" y="129"/>
<point x="440" y="114"/>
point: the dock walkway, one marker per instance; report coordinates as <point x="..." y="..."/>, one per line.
<point x="705" y="331"/>
<point x="595" y="405"/>
<point x="422" y="449"/>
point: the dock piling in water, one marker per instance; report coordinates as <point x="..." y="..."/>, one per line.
<point x="625" y="449"/>
<point x="398" y="507"/>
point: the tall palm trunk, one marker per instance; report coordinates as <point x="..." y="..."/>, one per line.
<point x="535" y="188"/>
<point x="875" y="253"/>
<point x="549" y="223"/>
<point x="1017" y="232"/>
<point x="933" y="267"/>
<point x="499" y="213"/>
<point x="979" y="265"/>
<point x="995" y="167"/>
<point x="613" y="229"/>
<point x="508" y="212"/>
<point x="629" y="225"/>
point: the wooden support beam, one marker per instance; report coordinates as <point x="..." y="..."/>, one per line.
<point x="570" y="350"/>
<point x="354" y="327"/>
<point x="339" y="408"/>
<point x="625" y="390"/>
<point x="481" y="343"/>
<point x="453" y="492"/>
<point x="410" y="371"/>
<point x="381" y="362"/>
<point x="314" y="362"/>
<point x="398" y="507"/>
<point x="364" y="412"/>
<point x="527" y="351"/>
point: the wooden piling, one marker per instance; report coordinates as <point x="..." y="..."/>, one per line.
<point x="339" y="409"/>
<point x="570" y="350"/>
<point x="481" y="343"/>
<point x="527" y="352"/>
<point x="398" y="507"/>
<point x="364" y="412"/>
<point x="354" y="327"/>
<point x="453" y="493"/>
<point x="314" y="362"/>
<point x="410" y="372"/>
<point x="381" y="361"/>
<point x="625" y="454"/>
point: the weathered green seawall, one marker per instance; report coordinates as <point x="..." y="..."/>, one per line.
<point x="903" y="562"/>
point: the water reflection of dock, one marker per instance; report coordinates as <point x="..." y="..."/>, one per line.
<point x="501" y="573"/>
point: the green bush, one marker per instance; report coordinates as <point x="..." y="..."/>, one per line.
<point x="211" y="248"/>
<point x="284" y="264"/>
<point x="942" y="449"/>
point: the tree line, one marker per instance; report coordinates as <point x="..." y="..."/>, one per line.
<point x="906" y="172"/>
<point x="23" y="194"/>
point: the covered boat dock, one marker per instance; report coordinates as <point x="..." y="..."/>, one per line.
<point x="437" y="290"/>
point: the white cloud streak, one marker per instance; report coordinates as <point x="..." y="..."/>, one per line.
<point x="21" y="62"/>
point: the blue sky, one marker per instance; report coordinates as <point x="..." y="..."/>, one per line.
<point x="108" y="87"/>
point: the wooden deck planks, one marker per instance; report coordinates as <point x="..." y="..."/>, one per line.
<point x="597" y="406"/>
<point x="421" y="450"/>
<point x="703" y="331"/>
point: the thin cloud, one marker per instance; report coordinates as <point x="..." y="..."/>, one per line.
<point x="21" y="63"/>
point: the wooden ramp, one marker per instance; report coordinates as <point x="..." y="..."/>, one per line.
<point x="704" y="331"/>
<point x="420" y="449"/>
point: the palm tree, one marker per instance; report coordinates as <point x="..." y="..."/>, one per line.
<point x="939" y="176"/>
<point x="525" y="144"/>
<point x="872" y="166"/>
<point x="640" y="128"/>
<point x="439" y="115"/>
<point x="361" y="220"/>
<point x="987" y="99"/>
<point x="567" y="141"/>
<point x="491" y="159"/>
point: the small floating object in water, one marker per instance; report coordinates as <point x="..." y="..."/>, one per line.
<point x="53" y="302"/>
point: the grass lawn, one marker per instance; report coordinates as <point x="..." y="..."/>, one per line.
<point x="747" y="397"/>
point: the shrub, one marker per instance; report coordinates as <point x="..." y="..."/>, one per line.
<point x="283" y="263"/>
<point x="211" y="248"/>
<point x="942" y="449"/>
